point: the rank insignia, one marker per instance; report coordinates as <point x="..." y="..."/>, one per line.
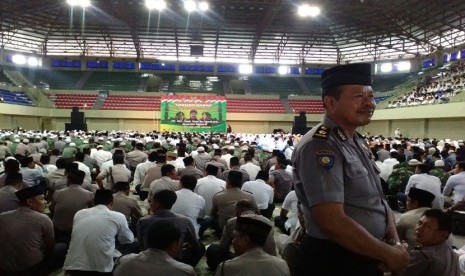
<point x="321" y="132"/>
<point x="340" y="134"/>
<point x="325" y="158"/>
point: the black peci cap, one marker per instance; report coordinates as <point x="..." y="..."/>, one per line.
<point x="356" y="73"/>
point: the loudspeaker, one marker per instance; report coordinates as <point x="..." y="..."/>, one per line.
<point x="78" y="122"/>
<point x="197" y="50"/>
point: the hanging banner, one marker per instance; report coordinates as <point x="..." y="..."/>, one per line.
<point x="193" y="113"/>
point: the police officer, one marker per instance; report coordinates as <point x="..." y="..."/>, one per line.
<point x="347" y="219"/>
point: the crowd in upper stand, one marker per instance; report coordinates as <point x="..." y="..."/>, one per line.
<point x="434" y="89"/>
<point x="185" y="184"/>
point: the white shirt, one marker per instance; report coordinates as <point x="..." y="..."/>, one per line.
<point x="141" y="170"/>
<point x="390" y="163"/>
<point x="262" y="192"/>
<point x="288" y="152"/>
<point x="251" y="169"/>
<point x="207" y="187"/>
<point x="456" y="183"/>
<point x="290" y="204"/>
<point x="101" y="156"/>
<point x="384" y="170"/>
<point x="190" y="205"/>
<point x="84" y="168"/>
<point x="92" y="246"/>
<point x="227" y="157"/>
<point x="428" y="183"/>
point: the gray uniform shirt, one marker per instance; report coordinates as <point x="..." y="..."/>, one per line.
<point x="331" y="167"/>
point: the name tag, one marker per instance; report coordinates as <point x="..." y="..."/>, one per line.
<point x="351" y="159"/>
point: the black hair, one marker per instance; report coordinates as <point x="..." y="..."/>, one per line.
<point x="76" y="177"/>
<point x="189" y="182"/>
<point x="235" y="179"/>
<point x="166" y="169"/>
<point x="103" y="197"/>
<point x="166" y="198"/>
<point x="79" y="156"/>
<point x="234" y="161"/>
<point x="424" y="168"/>
<point x="211" y="169"/>
<point x="188" y="161"/>
<point x="13" y="178"/>
<point x="118" y="159"/>
<point x="121" y="186"/>
<point x="444" y="219"/>
<point x="263" y="175"/>
<point x="162" y="235"/>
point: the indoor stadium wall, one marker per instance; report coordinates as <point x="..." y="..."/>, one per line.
<point x="439" y="121"/>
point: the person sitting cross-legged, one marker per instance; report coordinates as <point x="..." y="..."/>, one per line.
<point x="433" y="256"/>
<point x="250" y="236"/>
<point x="163" y="244"/>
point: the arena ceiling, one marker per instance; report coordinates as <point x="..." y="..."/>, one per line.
<point x="235" y="30"/>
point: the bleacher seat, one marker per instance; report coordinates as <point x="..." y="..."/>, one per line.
<point x="115" y="81"/>
<point x="72" y="100"/>
<point x="15" y="97"/>
<point x="309" y="106"/>
<point x="255" y="105"/>
<point x="126" y="102"/>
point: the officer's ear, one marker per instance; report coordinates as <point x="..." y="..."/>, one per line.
<point x="328" y="102"/>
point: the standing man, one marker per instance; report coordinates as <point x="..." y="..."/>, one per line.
<point x="346" y="215"/>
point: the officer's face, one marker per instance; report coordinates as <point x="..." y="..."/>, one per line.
<point x="427" y="232"/>
<point x="354" y="107"/>
<point x="37" y="203"/>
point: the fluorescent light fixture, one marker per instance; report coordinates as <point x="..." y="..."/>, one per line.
<point x="245" y="69"/>
<point x="283" y="70"/>
<point x="190" y="5"/>
<point x="155" y="4"/>
<point x="403" y="66"/>
<point x="33" y="62"/>
<point x="81" y="3"/>
<point x="386" y="67"/>
<point x="307" y="10"/>
<point x="19" y="59"/>
<point x="203" y="6"/>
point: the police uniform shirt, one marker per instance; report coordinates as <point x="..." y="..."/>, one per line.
<point x="331" y="167"/>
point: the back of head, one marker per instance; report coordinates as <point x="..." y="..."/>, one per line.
<point x="161" y="157"/>
<point x="423" y="168"/>
<point x="188" y="161"/>
<point x="166" y="198"/>
<point x="263" y="175"/>
<point x="121" y="186"/>
<point x="247" y="158"/>
<point x="11" y="165"/>
<point x="242" y="206"/>
<point x="79" y="156"/>
<point x="153" y="156"/>
<point x="76" y="177"/>
<point x="166" y="169"/>
<point x="424" y="198"/>
<point x="234" y="161"/>
<point x="217" y="152"/>
<point x="281" y="159"/>
<point x="211" y="169"/>
<point x="235" y="179"/>
<point x="103" y="197"/>
<point x="61" y="163"/>
<point x="162" y="235"/>
<point x="256" y="229"/>
<point x="118" y="159"/>
<point x="13" y="179"/>
<point x="188" y="182"/>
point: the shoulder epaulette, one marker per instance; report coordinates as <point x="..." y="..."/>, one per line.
<point x="322" y="132"/>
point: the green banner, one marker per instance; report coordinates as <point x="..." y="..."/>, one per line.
<point x="193" y="114"/>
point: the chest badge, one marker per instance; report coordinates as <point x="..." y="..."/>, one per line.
<point x="325" y="158"/>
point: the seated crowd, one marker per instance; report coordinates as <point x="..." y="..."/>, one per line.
<point x="434" y="89"/>
<point x="130" y="203"/>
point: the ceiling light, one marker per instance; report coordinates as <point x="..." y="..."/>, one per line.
<point x="386" y="67"/>
<point x="32" y="61"/>
<point x="18" y="59"/>
<point x="81" y="3"/>
<point x="307" y="10"/>
<point x="283" y="70"/>
<point x="190" y="5"/>
<point x="245" y="69"/>
<point x="155" y="4"/>
<point x="203" y="6"/>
